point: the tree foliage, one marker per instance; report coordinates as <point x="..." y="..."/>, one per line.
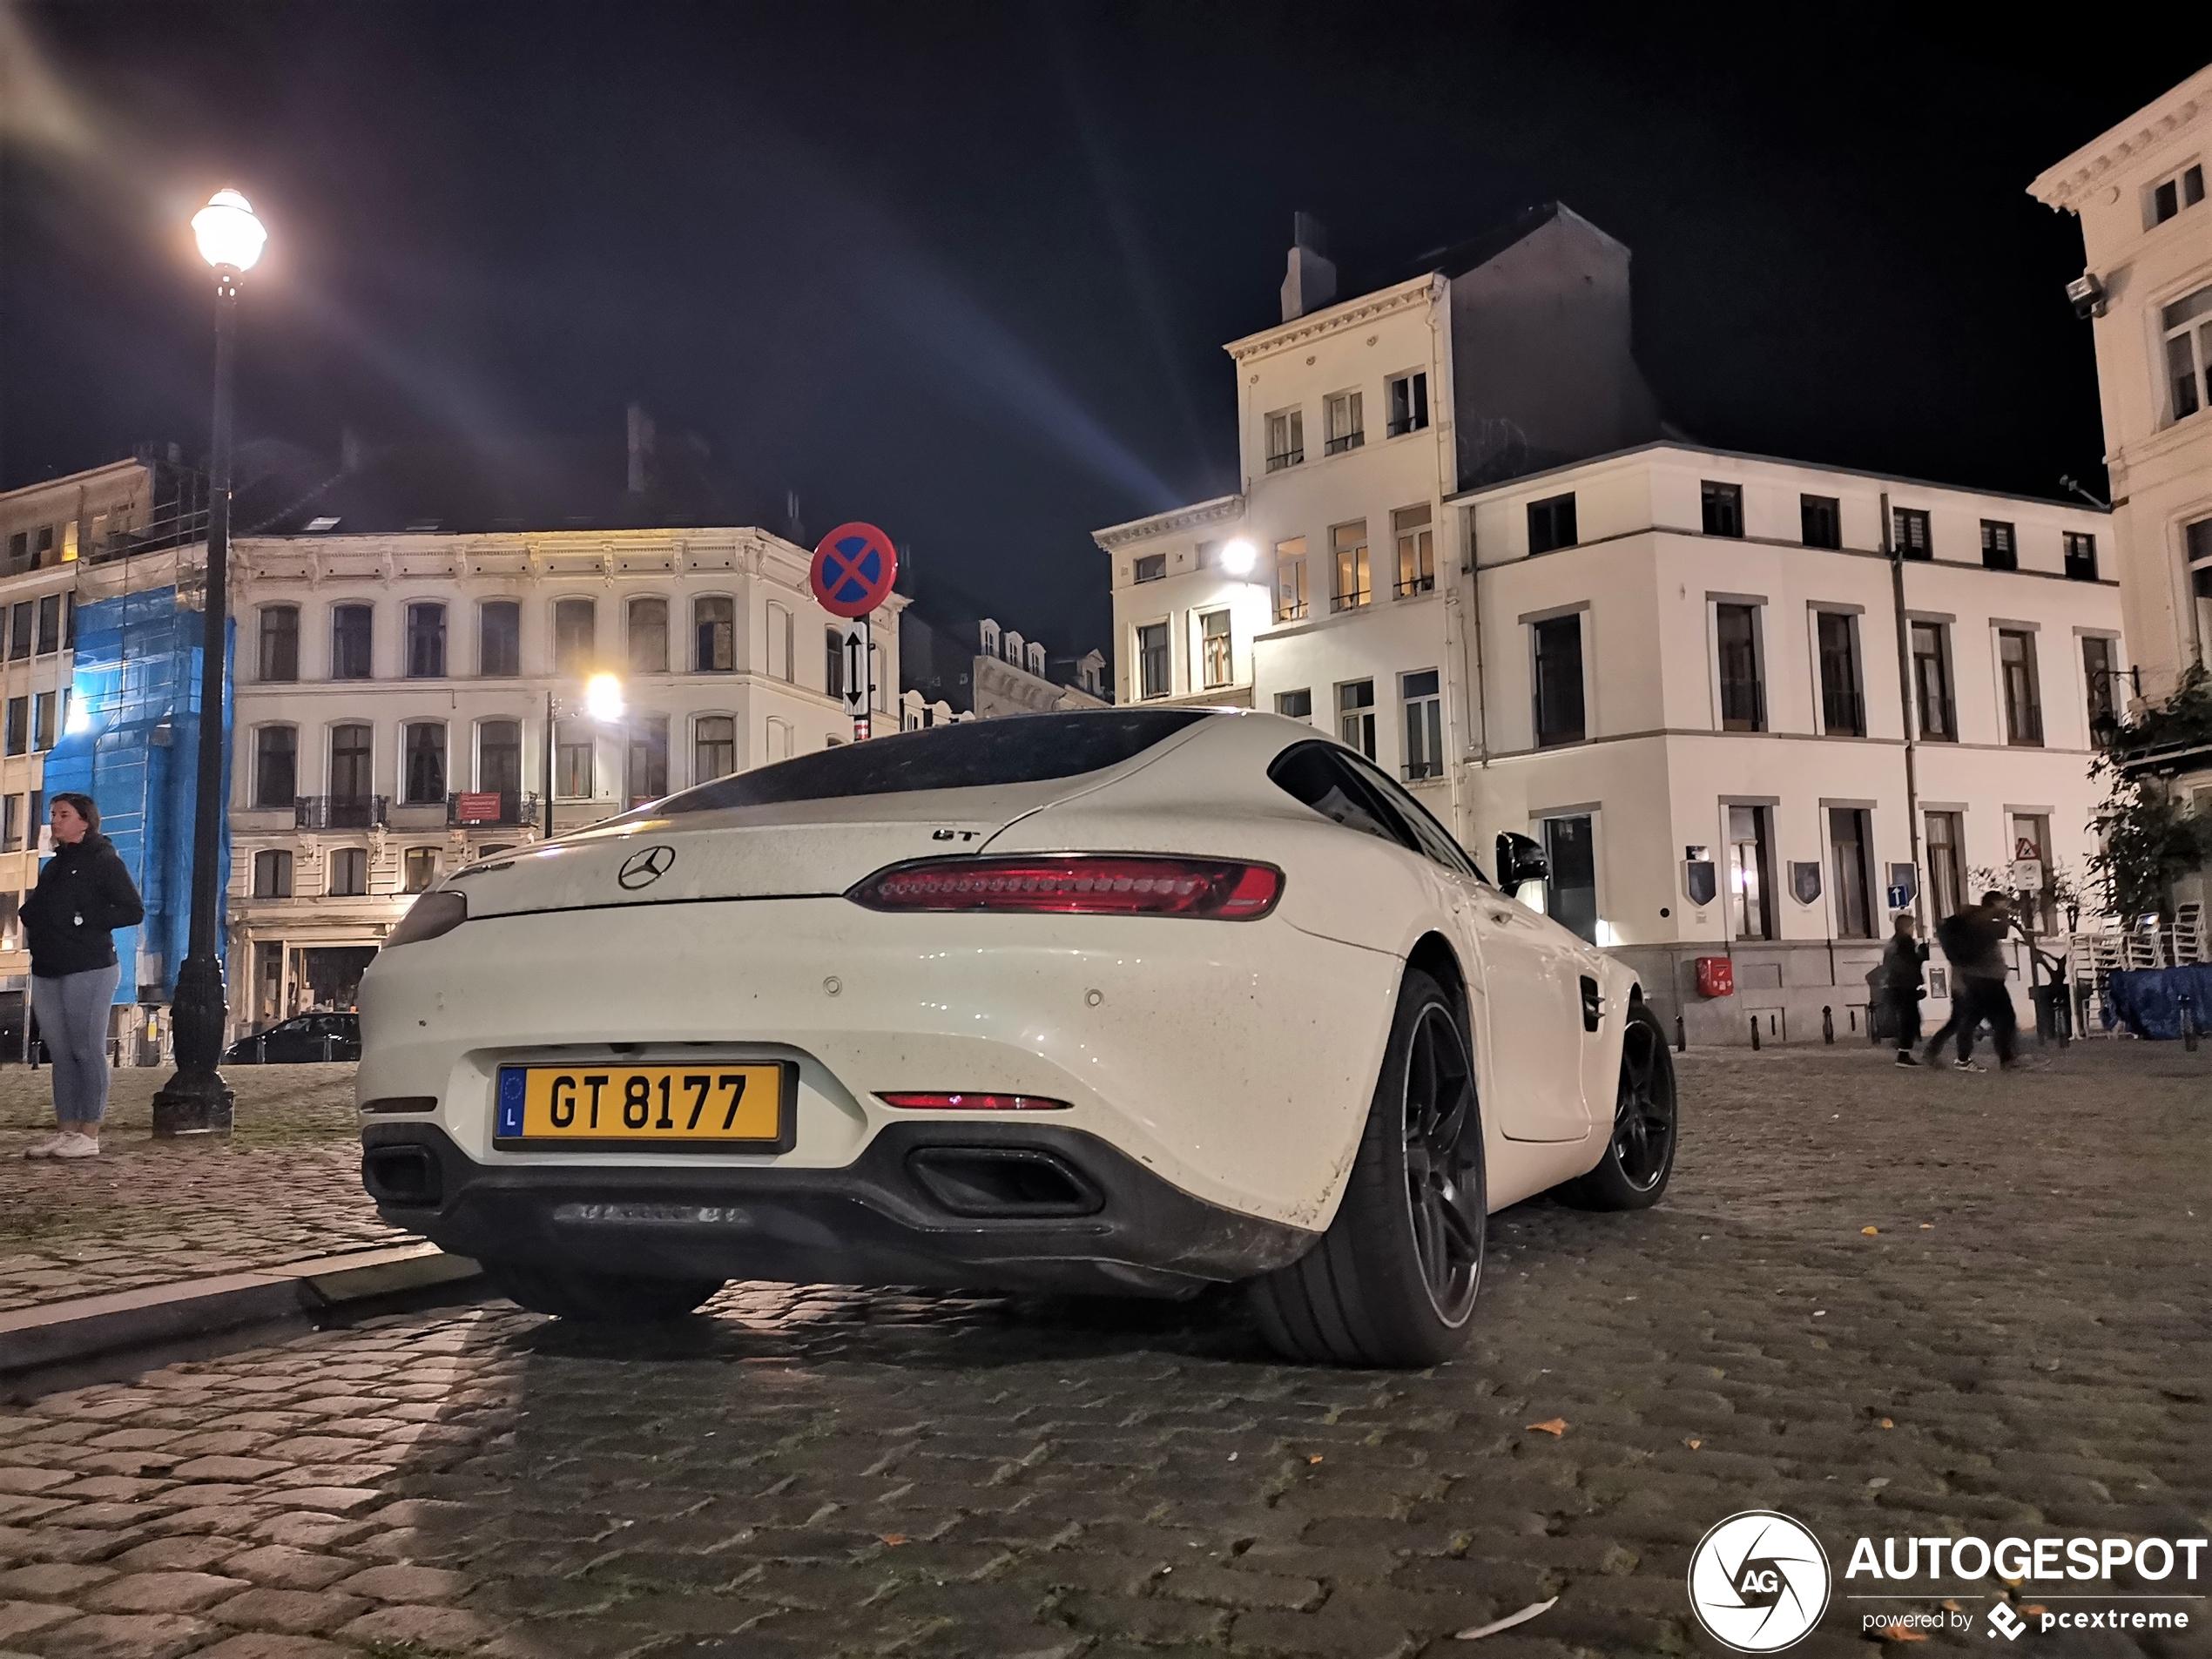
<point x="2149" y="839"/>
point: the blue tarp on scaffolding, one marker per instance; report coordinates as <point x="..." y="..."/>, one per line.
<point x="2148" y="1000"/>
<point x="131" y="744"/>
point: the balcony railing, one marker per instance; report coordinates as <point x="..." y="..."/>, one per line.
<point x="1351" y="601"/>
<point x="1292" y="611"/>
<point x="493" y="809"/>
<point x="1424" y="583"/>
<point x="1417" y="770"/>
<point x="341" y="812"/>
<point x="1349" y="441"/>
<point x="1287" y="458"/>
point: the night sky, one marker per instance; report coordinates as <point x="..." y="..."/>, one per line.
<point x="965" y="270"/>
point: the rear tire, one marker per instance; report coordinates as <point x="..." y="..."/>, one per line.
<point x="1639" y="1159"/>
<point x="1395" y="1279"/>
<point x="600" y="1298"/>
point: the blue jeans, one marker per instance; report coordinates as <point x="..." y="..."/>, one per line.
<point x="72" y="1020"/>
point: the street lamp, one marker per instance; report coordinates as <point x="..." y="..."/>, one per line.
<point x="1238" y="558"/>
<point x="602" y="703"/>
<point x="195" y="1100"/>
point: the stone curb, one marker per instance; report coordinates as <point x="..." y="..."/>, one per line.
<point x="98" y="1330"/>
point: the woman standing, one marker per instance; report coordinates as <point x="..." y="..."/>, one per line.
<point x="83" y="893"/>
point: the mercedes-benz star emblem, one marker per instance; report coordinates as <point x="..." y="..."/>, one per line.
<point x="643" y="869"/>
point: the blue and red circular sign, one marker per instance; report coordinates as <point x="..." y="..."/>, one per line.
<point x="853" y="569"/>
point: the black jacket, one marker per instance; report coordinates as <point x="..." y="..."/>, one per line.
<point x="1900" y="969"/>
<point x="83" y="893"/>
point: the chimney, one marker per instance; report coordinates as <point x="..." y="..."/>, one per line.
<point x="641" y="449"/>
<point x="1311" y="282"/>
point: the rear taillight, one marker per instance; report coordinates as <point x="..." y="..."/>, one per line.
<point x="972" y="1103"/>
<point x="1103" y="884"/>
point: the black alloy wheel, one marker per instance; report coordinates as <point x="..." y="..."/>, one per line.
<point x="1639" y="1160"/>
<point x="1443" y="1198"/>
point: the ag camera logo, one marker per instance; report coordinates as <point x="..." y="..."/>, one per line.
<point x="1758" y="1582"/>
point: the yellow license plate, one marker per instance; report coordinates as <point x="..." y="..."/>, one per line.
<point x="712" y="1104"/>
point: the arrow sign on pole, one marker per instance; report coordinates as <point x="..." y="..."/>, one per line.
<point x="855" y="656"/>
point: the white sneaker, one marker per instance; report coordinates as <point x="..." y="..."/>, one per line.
<point x="45" y="1149"/>
<point x="73" y="1145"/>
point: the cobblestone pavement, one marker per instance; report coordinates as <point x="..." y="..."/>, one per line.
<point x="285" y="1187"/>
<point x="2019" y="1347"/>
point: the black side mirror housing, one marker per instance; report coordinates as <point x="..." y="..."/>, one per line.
<point x="1520" y="860"/>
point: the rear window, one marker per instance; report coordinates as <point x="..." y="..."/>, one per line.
<point x="976" y="754"/>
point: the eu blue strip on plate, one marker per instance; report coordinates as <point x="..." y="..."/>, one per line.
<point x="511" y="1085"/>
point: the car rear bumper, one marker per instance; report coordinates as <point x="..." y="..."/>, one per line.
<point x="977" y="1205"/>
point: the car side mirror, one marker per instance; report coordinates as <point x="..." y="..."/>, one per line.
<point x="1519" y="859"/>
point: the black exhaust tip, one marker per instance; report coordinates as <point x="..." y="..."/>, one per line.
<point x="1003" y="1183"/>
<point x="405" y="1177"/>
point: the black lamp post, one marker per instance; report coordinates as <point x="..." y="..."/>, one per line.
<point x="195" y="1100"/>
<point x="601" y="701"/>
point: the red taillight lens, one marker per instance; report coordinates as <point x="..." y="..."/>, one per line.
<point x="966" y="1103"/>
<point x="1103" y="884"/>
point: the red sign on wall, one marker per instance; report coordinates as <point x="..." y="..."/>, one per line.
<point x="478" y="808"/>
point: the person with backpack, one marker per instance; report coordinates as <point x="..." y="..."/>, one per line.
<point x="1973" y="943"/>
<point x="1902" y="984"/>
<point x="83" y="893"/>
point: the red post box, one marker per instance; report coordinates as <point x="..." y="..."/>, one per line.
<point x="1716" y="976"/>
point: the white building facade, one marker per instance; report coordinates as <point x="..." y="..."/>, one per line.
<point x="1654" y="659"/>
<point x="391" y="716"/>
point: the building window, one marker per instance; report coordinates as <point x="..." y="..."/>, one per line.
<point x="499" y="761"/>
<point x="714" y="747"/>
<point x="279" y="660"/>
<point x="19" y="725"/>
<point x="649" y="636"/>
<point x="1822" y="518"/>
<point x="351" y="761"/>
<point x="1750" y="873"/>
<point x="2197" y="539"/>
<point x="1736" y="632"/>
<point x="19" y="551"/>
<point x="646" y="776"/>
<point x="1289" y="580"/>
<point x="1424" y="723"/>
<point x="776" y="622"/>
<point x="1557" y="643"/>
<point x="2080" y="556"/>
<point x="1152" y="660"/>
<point x="1349" y="543"/>
<point x="1416" y="537"/>
<point x="1843" y="712"/>
<point x="424" y="744"/>
<point x="41" y="721"/>
<point x="832" y="662"/>
<point x="1945" y="842"/>
<point x="1570" y="891"/>
<point x="1151" y="568"/>
<point x="2189" y="351"/>
<point x="1407" y="397"/>
<point x="276" y="766"/>
<point x="69" y="621"/>
<point x="350" y="639"/>
<point x="714" y="626"/>
<point x="575" y="626"/>
<point x="2169" y="196"/>
<point x="778" y="739"/>
<point x="2099" y="670"/>
<point x="1723" y="505"/>
<point x="20" y="625"/>
<point x="1909" y="531"/>
<point x="1850" y="844"/>
<point x="1356" y="716"/>
<point x="1551" y="523"/>
<point x="575" y="750"/>
<point x="1214" y="653"/>
<point x="49" y="624"/>
<point x="1932" y="682"/>
<point x="2023" y="698"/>
<point x="272" y="874"/>
<point x="11" y="823"/>
<point x="349" y="872"/>
<point x="499" y="639"/>
<point x="418" y="869"/>
<point x="1295" y="705"/>
<point x="1285" y="442"/>
<point x="1999" y="546"/>
<point x="1346" y="427"/>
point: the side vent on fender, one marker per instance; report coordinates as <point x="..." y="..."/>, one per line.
<point x="1592" y="1004"/>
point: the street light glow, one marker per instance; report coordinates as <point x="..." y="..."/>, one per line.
<point x="603" y="698"/>
<point x="1238" y="558"/>
<point x="229" y="236"/>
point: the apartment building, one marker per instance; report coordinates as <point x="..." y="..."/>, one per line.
<point x="2140" y="194"/>
<point x="1735" y="721"/>
<point x="399" y="698"/>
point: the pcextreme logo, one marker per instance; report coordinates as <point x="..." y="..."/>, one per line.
<point x="1758" y="1582"/>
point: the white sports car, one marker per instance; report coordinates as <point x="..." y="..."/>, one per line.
<point x="1130" y="999"/>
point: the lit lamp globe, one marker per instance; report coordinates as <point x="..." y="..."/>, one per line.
<point x="230" y="238"/>
<point x="603" y="698"/>
<point x="1238" y="558"/>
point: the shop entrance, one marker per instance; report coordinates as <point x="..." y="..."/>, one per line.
<point x="329" y="976"/>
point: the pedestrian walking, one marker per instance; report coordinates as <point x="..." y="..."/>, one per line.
<point x="83" y="893"/>
<point x="1904" y="984"/>
<point x="1973" y="943"/>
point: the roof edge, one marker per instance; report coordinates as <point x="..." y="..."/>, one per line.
<point x="2062" y="186"/>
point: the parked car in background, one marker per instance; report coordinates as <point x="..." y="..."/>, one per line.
<point x="304" y="1039"/>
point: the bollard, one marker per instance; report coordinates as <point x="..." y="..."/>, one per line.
<point x="1755" y="1033"/>
<point x="2188" y="1025"/>
<point x="1682" y="1038"/>
<point x="1827" y="1026"/>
